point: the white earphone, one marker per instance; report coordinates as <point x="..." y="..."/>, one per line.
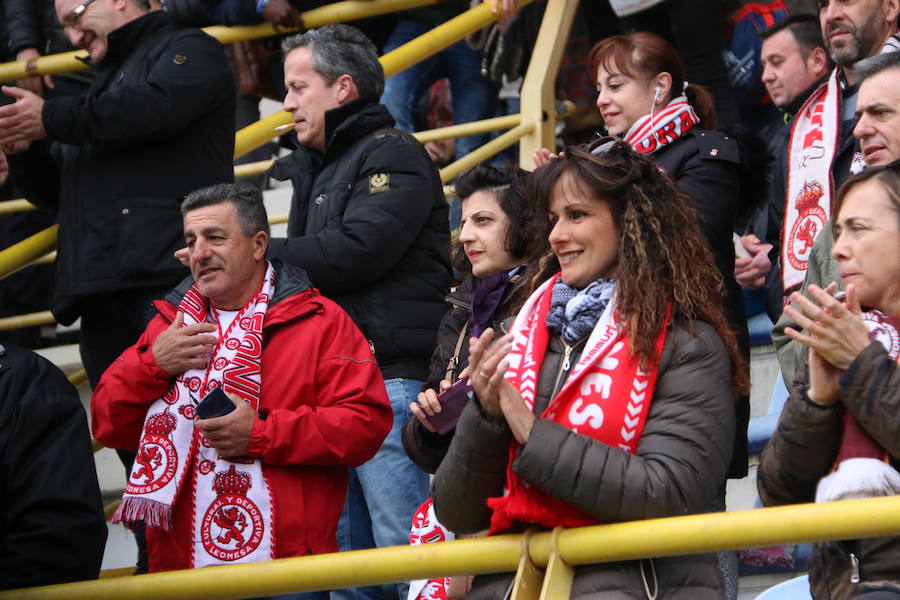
<point x="656" y="92"/>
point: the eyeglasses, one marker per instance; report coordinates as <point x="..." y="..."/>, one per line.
<point x="74" y="18"/>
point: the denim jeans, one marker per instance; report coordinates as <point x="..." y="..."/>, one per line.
<point x="474" y="96"/>
<point x="382" y="496"/>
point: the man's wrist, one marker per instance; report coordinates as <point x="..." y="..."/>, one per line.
<point x="260" y="5"/>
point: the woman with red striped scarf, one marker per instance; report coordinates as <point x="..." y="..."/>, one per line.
<point x="611" y="399"/>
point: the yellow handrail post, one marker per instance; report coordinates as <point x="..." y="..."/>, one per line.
<point x="45" y="317"/>
<point x="559" y="576"/>
<point x="529" y="578"/>
<point x="539" y="85"/>
<point x="21" y="254"/>
<point x="14" y="206"/>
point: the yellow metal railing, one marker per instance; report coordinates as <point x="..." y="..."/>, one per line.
<point x="338" y="12"/>
<point x="544" y="560"/>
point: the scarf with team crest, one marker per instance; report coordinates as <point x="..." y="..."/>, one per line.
<point x="232" y="512"/>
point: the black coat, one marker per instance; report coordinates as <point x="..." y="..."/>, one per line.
<point x="156" y="124"/>
<point x="368" y="223"/>
<point x="52" y="528"/>
<point x="33" y="24"/>
<point x="705" y="165"/>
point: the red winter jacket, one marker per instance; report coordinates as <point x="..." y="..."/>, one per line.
<point x="324" y="408"/>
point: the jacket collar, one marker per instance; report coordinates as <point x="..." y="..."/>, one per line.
<point x="292" y="288"/>
<point x="122" y="41"/>
<point x="349" y="122"/>
<point x="794" y="107"/>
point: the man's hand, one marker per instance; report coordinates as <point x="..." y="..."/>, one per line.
<point x="34" y="84"/>
<point x="22" y="120"/>
<point x="180" y="348"/>
<point x="751" y="272"/>
<point x="282" y="14"/>
<point x="230" y="435"/>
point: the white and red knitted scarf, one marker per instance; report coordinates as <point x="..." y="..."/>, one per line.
<point x="606" y="397"/>
<point x="232" y="511"/>
<point x="815" y="135"/>
<point x="656" y="130"/>
<point x="862" y="468"/>
<point x="809" y="193"/>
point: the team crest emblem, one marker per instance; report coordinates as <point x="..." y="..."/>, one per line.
<point x="379" y="182"/>
<point x="883" y="331"/>
<point x="156" y="460"/>
<point x="809" y="223"/>
<point x="233" y="527"/>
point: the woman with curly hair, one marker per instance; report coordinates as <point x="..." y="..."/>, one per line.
<point x="612" y="397"/>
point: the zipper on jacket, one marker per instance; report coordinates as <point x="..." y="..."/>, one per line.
<point x="854" y="568"/>
<point x="565" y="366"/>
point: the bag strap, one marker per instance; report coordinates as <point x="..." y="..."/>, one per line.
<point x="454" y="360"/>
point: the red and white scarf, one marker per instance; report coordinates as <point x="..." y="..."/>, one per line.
<point x="606" y="397"/>
<point x="654" y="131"/>
<point x="814" y="140"/>
<point x="862" y="468"/>
<point x="232" y="510"/>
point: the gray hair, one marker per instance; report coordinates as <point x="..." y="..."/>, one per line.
<point x="341" y="50"/>
<point x="142" y="4"/>
<point x="875" y="64"/>
<point x="247" y="200"/>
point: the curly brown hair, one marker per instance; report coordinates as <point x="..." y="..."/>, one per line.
<point x="663" y="259"/>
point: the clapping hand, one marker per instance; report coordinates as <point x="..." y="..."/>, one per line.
<point x="833" y="331"/>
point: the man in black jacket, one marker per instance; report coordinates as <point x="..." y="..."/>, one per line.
<point x="156" y="123"/>
<point x="368" y="223"/>
<point x="52" y="528"/>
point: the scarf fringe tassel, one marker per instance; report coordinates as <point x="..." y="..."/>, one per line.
<point x="859" y="478"/>
<point x="152" y="512"/>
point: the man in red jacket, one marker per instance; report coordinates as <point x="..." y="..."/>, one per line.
<point x="306" y="399"/>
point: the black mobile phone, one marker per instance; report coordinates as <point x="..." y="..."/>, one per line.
<point x="215" y="404"/>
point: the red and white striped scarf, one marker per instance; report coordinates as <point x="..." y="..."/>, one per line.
<point x="232" y="510"/>
<point x="809" y="193"/>
<point x="656" y="130"/>
<point x="606" y="397"/>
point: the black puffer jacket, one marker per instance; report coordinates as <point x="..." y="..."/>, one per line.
<point x="33" y="24"/>
<point x="52" y="528"/>
<point x="368" y="223"/>
<point x="156" y="124"/>
<point x="706" y="166"/>
<point x="803" y="450"/>
<point x="678" y="467"/>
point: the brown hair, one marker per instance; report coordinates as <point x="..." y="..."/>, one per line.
<point x="887" y="175"/>
<point x="663" y="259"/>
<point x="642" y="55"/>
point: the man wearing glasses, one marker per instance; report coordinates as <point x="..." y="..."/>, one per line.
<point x="114" y="163"/>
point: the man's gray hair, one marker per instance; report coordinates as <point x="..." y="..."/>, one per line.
<point x="247" y="200"/>
<point x="142" y="4"/>
<point x="875" y="64"/>
<point x="342" y="50"/>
